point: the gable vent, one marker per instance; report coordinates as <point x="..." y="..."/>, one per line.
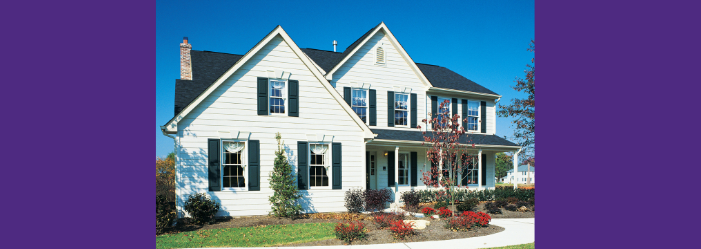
<point x="380" y="55"/>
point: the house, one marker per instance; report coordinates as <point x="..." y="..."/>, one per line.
<point x="521" y="176"/>
<point x="348" y="120"/>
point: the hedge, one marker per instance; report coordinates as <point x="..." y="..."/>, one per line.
<point x="429" y="195"/>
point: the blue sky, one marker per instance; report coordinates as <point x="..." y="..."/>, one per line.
<point x="485" y="41"/>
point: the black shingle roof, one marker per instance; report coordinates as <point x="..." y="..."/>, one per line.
<point x="442" y="77"/>
<point x="325" y="59"/>
<point x="419" y="136"/>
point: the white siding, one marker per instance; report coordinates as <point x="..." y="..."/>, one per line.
<point x="396" y="72"/>
<point x="232" y="107"/>
<point x="491" y="111"/>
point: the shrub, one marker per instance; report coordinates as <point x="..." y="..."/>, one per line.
<point x="460" y="223"/>
<point x="375" y="199"/>
<point x="401" y="230"/>
<point x="440" y="204"/>
<point x="165" y="214"/>
<point x="522" y="204"/>
<point x="350" y="231"/>
<point x="201" y="208"/>
<point x="512" y="200"/>
<point x="411" y="200"/>
<point x="500" y="203"/>
<point x="283" y="183"/>
<point x="511" y="207"/>
<point x="165" y="177"/>
<point x="492" y="208"/>
<point x="427" y="211"/>
<point x="354" y="201"/>
<point x="444" y="212"/>
<point x="385" y="220"/>
<point x="468" y="204"/>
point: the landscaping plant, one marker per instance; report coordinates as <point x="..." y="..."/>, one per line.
<point x="375" y="199"/>
<point x="165" y="177"/>
<point x="500" y="203"/>
<point x="411" y="200"/>
<point x="165" y="213"/>
<point x="284" y="185"/>
<point x="427" y="211"/>
<point x="440" y="205"/>
<point x="349" y="231"/>
<point x="444" y="212"/>
<point x="385" y="220"/>
<point x="511" y="207"/>
<point x="354" y="201"/>
<point x="401" y="230"/>
<point x="492" y="208"/>
<point x="468" y="204"/>
<point x="201" y="208"/>
<point x="467" y="220"/>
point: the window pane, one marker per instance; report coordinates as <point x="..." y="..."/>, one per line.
<point x="325" y="181"/>
<point x="227" y="184"/>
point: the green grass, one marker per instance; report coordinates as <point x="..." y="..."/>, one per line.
<point x="521" y="246"/>
<point x="248" y="236"/>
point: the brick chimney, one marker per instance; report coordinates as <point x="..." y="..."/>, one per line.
<point x="185" y="62"/>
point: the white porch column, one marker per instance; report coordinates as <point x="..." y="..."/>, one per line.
<point x="396" y="176"/>
<point x="365" y="177"/>
<point x="479" y="170"/>
<point x="515" y="159"/>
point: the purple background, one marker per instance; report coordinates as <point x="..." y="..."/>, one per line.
<point x="618" y="102"/>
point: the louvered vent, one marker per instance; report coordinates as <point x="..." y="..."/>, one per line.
<point x="380" y="55"/>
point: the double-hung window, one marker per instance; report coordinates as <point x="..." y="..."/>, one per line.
<point x="278" y="95"/>
<point x="401" y="109"/>
<point x="359" y="103"/>
<point x="233" y="165"/>
<point x="443" y="110"/>
<point x="472" y="168"/>
<point x="319" y="165"/>
<point x="473" y="109"/>
<point x="403" y="169"/>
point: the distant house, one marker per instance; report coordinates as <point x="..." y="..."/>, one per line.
<point x="521" y="176"/>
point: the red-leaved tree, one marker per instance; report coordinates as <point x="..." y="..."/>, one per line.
<point x="445" y="139"/>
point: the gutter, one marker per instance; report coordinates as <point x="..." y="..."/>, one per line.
<point x="453" y="91"/>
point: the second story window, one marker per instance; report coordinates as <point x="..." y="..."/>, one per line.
<point x="359" y="103"/>
<point x="472" y="115"/>
<point x="401" y="109"/>
<point x="277" y="96"/>
<point x="444" y="110"/>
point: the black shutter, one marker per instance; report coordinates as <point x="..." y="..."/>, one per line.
<point x="414" y="114"/>
<point x="293" y="96"/>
<point x="463" y="176"/>
<point x="214" y="165"/>
<point x="390" y="168"/>
<point x="336" y="163"/>
<point x="373" y="108"/>
<point x="484" y="169"/>
<point x="262" y="96"/>
<point x="414" y="158"/>
<point x="464" y="114"/>
<point x="434" y="107"/>
<point x="302" y="165"/>
<point x="454" y="102"/>
<point x="367" y="170"/>
<point x="347" y="95"/>
<point x="483" y="116"/>
<point x="253" y="165"/>
<point x="390" y="108"/>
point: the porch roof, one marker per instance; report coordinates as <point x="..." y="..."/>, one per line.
<point x="417" y="136"/>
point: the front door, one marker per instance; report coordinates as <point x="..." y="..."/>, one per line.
<point x="373" y="171"/>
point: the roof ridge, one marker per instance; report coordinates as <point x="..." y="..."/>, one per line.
<point x="214" y="52"/>
<point x="322" y="50"/>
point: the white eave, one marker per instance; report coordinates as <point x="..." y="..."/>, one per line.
<point x="437" y="90"/>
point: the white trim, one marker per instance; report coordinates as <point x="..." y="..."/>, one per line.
<point x="172" y="124"/>
<point x="395" y="43"/>
<point x="461" y="93"/>
<point x="285" y="98"/>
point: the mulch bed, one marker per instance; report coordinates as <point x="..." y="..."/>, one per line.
<point x="435" y="231"/>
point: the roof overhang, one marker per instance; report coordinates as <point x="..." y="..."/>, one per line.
<point x="446" y="91"/>
<point x="172" y="126"/>
<point x="400" y="143"/>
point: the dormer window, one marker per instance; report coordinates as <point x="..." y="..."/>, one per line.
<point x="379" y="55"/>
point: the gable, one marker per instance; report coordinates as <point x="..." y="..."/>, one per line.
<point x="275" y="53"/>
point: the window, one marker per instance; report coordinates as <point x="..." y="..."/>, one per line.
<point x="403" y="169"/>
<point x="372" y="165"/>
<point x="401" y="109"/>
<point x="319" y="165"/>
<point x="444" y="110"/>
<point x="472" y="167"/>
<point x="277" y="96"/>
<point x="359" y="103"/>
<point x="380" y="55"/>
<point x="472" y="115"/>
<point x="233" y="166"/>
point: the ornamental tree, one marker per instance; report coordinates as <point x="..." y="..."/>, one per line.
<point x="523" y="110"/>
<point x="446" y="148"/>
<point x="283" y="183"/>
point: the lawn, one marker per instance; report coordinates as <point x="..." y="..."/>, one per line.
<point x="521" y="246"/>
<point x="259" y="236"/>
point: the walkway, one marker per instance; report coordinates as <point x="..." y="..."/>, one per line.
<point x="516" y="232"/>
